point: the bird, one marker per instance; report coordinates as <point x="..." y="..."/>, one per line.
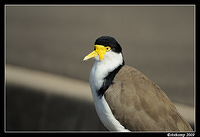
<point x="124" y="98"/>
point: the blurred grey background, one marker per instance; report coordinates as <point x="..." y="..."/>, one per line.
<point x="157" y="40"/>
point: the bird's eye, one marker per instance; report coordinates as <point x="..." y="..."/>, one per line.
<point x="108" y="48"/>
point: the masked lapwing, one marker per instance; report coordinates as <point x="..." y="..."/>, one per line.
<point x="124" y="98"/>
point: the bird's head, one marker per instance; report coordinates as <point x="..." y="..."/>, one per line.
<point x="104" y="46"/>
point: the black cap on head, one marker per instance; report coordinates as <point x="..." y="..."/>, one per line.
<point x="109" y="41"/>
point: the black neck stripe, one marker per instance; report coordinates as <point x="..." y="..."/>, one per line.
<point x="108" y="80"/>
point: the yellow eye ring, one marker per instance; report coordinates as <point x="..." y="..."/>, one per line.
<point x="108" y="48"/>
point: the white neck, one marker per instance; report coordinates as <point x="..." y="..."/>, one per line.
<point x="101" y="69"/>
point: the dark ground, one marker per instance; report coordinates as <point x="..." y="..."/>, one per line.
<point x="157" y="40"/>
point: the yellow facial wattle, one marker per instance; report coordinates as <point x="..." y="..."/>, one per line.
<point x="98" y="50"/>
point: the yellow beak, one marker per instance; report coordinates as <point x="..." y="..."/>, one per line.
<point x="99" y="50"/>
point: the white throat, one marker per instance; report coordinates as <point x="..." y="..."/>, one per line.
<point x="99" y="71"/>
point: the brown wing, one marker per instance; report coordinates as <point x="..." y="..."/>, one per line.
<point x="140" y="105"/>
